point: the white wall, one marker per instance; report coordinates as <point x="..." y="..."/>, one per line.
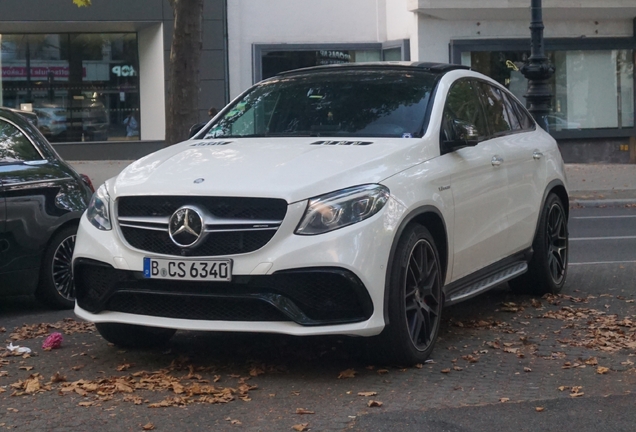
<point x="401" y="24"/>
<point x="152" y="83"/>
<point x="296" y="21"/>
<point x="435" y="34"/>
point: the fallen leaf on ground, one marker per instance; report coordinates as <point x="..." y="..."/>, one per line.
<point x="348" y="373"/>
<point x="304" y="411"/>
<point x="374" y="403"/>
<point x="148" y="426"/>
<point x="502" y="400"/>
<point x="602" y="370"/>
<point x="368" y="394"/>
<point x="382" y="371"/>
<point x="300" y="427"/>
<point x="539" y="409"/>
<point x="527" y="369"/>
<point x="57" y="378"/>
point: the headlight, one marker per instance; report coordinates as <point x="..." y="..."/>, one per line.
<point x="97" y="212"/>
<point x="342" y="208"/>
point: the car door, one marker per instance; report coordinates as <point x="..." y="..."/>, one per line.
<point x="478" y="184"/>
<point x="526" y="152"/>
<point x="29" y="189"/>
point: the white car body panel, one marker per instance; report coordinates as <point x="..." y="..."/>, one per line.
<point x="287" y="168"/>
<point x="489" y="212"/>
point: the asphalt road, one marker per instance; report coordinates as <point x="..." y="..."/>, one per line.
<point x="525" y="366"/>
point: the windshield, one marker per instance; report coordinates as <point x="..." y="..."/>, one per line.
<point x="347" y="103"/>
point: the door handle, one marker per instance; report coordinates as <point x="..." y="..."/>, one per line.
<point x="496" y="160"/>
<point x="537" y="155"/>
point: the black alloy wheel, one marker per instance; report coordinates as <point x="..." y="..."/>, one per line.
<point x="548" y="268"/>
<point x="56" y="287"/>
<point x="557" y="240"/>
<point x="422" y="296"/>
<point x="62" y="268"/>
<point x="415" y="299"/>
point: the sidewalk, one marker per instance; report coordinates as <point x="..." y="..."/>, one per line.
<point x="589" y="185"/>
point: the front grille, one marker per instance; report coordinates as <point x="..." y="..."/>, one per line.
<point x="215" y="244"/>
<point x="221" y="207"/>
<point x="310" y="296"/>
<point x="232" y="225"/>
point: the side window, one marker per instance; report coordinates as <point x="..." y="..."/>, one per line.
<point x="14" y="146"/>
<point x="526" y="120"/>
<point x="494" y="105"/>
<point x="512" y="114"/>
<point x="463" y="106"/>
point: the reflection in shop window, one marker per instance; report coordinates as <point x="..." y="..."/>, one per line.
<point x="593" y="89"/>
<point x="83" y="87"/>
<point x="274" y="62"/>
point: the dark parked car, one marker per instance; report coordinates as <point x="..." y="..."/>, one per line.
<point x="41" y="201"/>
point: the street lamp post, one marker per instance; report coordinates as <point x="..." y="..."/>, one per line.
<point x="538" y="70"/>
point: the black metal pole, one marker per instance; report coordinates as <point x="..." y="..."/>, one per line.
<point x="538" y="70"/>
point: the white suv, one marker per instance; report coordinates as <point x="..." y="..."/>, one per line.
<point x="349" y="199"/>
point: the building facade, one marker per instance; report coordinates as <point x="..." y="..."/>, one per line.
<point x="96" y="76"/>
<point x="591" y="43"/>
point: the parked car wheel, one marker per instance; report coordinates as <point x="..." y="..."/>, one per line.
<point x="134" y="336"/>
<point x="415" y="298"/>
<point x="56" y="287"/>
<point x="547" y="271"/>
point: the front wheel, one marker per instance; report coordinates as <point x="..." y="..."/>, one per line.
<point x="415" y="298"/>
<point x="547" y="270"/>
<point x="56" y="287"/>
<point x="134" y="336"/>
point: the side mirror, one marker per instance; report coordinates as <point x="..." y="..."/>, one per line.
<point x="195" y="129"/>
<point x="460" y="133"/>
<point x="465" y="132"/>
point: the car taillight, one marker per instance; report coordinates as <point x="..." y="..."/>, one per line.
<point x="88" y="182"/>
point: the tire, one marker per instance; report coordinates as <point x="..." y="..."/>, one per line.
<point x="415" y="299"/>
<point x="56" y="287"/>
<point x="547" y="270"/>
<point x="134" y="336"/>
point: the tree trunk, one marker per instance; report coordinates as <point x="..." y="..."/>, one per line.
<point x="183" y="76"/>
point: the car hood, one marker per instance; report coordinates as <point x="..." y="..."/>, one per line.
<point x="290" y="168"/>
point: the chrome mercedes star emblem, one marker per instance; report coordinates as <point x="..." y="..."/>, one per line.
<point x="186" y="227"/>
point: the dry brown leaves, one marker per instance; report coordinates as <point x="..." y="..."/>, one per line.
<point x="301" y="427"/>
<point x="304" y="411"/>
<point x="596" y="330"/>
<point x="67" y="326"/>
<point x="374" y="404"/>
<point x="348" y="373"/>
<point x="185" y="390"/>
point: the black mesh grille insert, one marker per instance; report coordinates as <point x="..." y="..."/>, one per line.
<point x="222" y="207"/>
<point x="196" y="308"/>
<point x="215" y="244"/>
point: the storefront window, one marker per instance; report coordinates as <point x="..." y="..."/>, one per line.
<point x="83" y="87"/>
<point x="592" y="89"/>
<point x="274" y="62"/>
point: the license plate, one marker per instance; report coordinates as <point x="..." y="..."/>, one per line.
<point x="190" y="270"/>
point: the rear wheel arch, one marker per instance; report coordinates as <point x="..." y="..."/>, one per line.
<point x="431" y="218"/>
<point x="558" y="188"/>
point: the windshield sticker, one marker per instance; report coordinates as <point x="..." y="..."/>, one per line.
<point x="407" y="135"/>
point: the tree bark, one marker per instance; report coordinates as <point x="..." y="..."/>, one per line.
<point x="183" y="75"/>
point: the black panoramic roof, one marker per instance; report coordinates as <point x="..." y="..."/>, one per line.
<point x="438" y="68"/>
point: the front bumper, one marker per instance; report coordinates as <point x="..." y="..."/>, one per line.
<point x="300" y="285"/>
